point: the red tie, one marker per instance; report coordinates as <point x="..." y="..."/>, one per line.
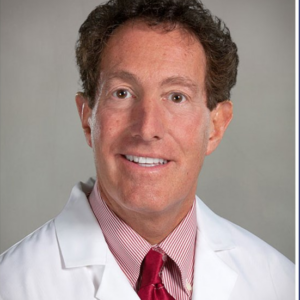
<point x="152" y="287"/>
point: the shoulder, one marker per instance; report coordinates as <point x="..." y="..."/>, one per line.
<point x="22" y="263"/>
<point x="255" y="249"/>
<point x="260" y="267"/>
<point x="261" y="262"/>
<point x="63" y="259"/>
<point x="40" y="239"/>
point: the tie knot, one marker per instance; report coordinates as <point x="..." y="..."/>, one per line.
<point x="152" y="268"/>
<point x="152" y="287"/>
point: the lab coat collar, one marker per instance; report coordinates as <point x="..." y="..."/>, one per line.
<point x="213" y="278"/>
<point x="79" y="235"/>
<point x="213" y="228"/>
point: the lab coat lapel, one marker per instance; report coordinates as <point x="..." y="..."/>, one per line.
<point x="114" y="284"/>
<point x="213" y="278"/>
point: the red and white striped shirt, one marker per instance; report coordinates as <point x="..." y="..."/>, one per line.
<point x="129" y="248"/>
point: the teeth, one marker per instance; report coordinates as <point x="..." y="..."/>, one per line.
<point x="146" y="161"/>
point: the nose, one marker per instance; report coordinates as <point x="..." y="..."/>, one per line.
<point x="148" y="119"/>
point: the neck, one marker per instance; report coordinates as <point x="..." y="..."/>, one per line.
<point x="155" y="230"/>
<point x="154" y="227"/>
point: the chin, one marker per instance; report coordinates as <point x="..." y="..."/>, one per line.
<point x="148" y="203"/>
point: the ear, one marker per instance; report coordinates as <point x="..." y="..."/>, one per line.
<point x="220" y="118"/>
<point x="85" y="114"/>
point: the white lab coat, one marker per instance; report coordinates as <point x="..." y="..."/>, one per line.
<point x="68" y="259"/>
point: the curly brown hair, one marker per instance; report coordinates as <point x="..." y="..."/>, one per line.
<point x="214" y="36"/>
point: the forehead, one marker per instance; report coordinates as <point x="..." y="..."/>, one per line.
<point x="137" y="45"/>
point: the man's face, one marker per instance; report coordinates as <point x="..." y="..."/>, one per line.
<point x="150" y="128"/>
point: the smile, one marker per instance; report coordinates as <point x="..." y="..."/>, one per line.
<point x="146" y="161"/>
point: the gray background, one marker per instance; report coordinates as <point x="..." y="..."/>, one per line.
<point x="248" y="180"/>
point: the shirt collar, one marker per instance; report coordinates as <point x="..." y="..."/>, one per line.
<point x="179" y="245"/>
<point x="128" y="247"/>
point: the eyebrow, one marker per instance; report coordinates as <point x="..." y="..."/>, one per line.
<point x="123" y="75"/>
<point x="175" y="80"/>
<point x="181" y="80"/>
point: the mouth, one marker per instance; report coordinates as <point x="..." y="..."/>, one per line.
<point x="146" y="161"/>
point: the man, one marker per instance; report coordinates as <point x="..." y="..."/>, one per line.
<point x="156" y="81"/>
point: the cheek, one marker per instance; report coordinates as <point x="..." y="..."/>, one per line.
<point x="192" y="133"/>
<point x="106" y="128"/>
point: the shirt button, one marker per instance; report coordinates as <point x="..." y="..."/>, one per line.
<point x="188" y="285"/>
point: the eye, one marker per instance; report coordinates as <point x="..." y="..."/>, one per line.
<point x="177" y="97"/>
<point x="122" y="94"/>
